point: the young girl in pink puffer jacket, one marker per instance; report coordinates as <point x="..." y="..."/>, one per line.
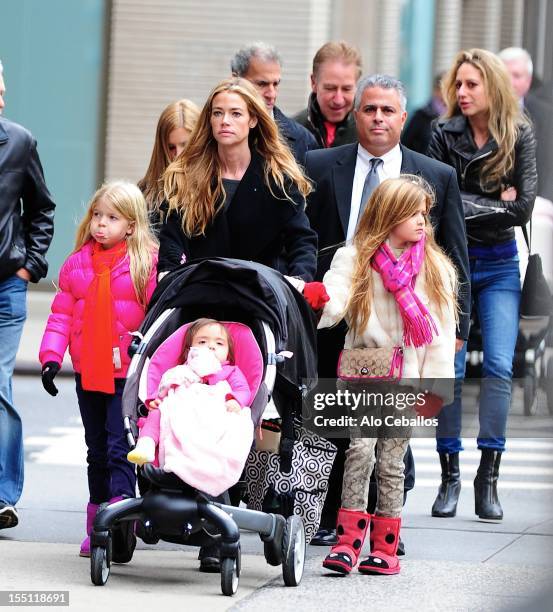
<point x="104" y="287"/>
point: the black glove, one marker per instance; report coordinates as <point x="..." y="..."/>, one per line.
<point x="49" y="371"/>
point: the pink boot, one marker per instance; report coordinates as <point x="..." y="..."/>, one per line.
<point x="91" y="510"/>
<point x="384" y="540"/>
<point x="351" y="529"/>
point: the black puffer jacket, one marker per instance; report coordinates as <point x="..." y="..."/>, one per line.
<point x="489" y="220"/>
<point x="26" y="208"/>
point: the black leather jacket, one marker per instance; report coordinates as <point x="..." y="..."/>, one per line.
<point x="489" y="220"/>
<point x="26" y="208"/>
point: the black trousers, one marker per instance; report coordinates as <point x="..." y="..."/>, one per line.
<point x="110" y="474"/>
<point x="329" y="344"/>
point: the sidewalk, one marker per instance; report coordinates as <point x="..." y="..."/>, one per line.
<point x="451" y="564"/>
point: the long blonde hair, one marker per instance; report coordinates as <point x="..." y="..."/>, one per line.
<point x="505" y="116"/>
<point x="180" y="114"/>
<point x="193" y="183"/>
<point x="129" y="202"/>
<point x="391" y="203"/>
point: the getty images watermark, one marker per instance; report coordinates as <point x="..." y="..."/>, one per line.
<point x="335" y="408"/>
<point x="370" y="409"/>
<point x="422" y="408"/>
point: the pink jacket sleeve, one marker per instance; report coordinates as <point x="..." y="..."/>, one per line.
<point x="58" y="327"/>
<point x="240" y="388"/>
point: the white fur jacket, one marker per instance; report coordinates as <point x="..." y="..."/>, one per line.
<point x="385" y="327"/>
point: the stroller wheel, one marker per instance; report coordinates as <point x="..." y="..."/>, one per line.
<point x="530" y="395"/>
<point x="230" y="574"/>
<point x="100" y="562"/>
<point x="293" y="551"/>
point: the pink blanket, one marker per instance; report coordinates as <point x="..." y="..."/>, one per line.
<point x="200" y="441"/>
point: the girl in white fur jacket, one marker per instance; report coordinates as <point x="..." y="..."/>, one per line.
<point x="394" y="287"/>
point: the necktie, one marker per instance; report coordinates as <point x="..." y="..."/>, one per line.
<point x="371" y="183"/>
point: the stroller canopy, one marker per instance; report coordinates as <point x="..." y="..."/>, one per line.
<point x="244" y="291"/>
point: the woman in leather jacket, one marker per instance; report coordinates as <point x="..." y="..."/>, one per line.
<point x="490" y="143"/>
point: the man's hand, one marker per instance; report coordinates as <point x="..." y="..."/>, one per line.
<point x="233" y="406"/>
<point x="49" y="371"/>
<point x="24" y="274"/>
<point x="459" y="343"/>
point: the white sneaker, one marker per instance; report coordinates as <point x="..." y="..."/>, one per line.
<point x="8" y="516"/>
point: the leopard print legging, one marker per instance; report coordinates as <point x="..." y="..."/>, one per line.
<point x="360" y="461"/>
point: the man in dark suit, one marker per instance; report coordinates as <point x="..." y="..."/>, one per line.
<point x="339" y="176"/>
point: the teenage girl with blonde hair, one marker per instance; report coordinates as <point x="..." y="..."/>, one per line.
<point x="394" y="287"/>
<point x="174" y="127"/>
<point x="104" y="287"/>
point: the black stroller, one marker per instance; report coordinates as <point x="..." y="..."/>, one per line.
<point x="277" y="319"/>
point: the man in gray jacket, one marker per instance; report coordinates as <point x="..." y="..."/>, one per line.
<point x="26" y="229"/>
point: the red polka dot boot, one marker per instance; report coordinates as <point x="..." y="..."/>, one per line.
<point x="351" y="529"/>
<point x="384" y="540"/>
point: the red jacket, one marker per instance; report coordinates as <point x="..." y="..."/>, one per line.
<point x="65" y="323"/>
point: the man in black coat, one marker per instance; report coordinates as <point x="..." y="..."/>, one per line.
<point x="261" y="65"/>
<point x="336" y="69"/>
<point x="26" y="229"/>
<point x="339" y="175"/>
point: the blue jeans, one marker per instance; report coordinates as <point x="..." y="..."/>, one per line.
<point x="110" y="474"/>
<point x="13" y="311"/>
<point x="495" y="288"/>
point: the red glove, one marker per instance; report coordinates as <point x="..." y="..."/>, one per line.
<point x="431" y="406"/>
<point x="315" y="295"/>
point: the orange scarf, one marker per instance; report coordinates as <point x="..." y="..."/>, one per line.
<point x="99" y="331"/>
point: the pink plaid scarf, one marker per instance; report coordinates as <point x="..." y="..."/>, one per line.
<point x="398" y="276"/>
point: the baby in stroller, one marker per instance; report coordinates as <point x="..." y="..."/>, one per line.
<point x="270" y="319"/>
<point x="196" y="396"/>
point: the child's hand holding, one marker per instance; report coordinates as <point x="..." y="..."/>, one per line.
<point x="315" y="295"/>
<point x="429" y="406"/>
<point x="154" y="404"/>
<point x="233" y="406"/>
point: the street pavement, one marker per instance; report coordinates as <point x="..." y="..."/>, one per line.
<point x="451" y="564"/>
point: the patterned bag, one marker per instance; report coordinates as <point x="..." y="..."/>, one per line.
<point x="366" y="364"/>
<point x="303" y="490"/>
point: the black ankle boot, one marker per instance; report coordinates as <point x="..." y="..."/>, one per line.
<point x="486" y="502"/>
<point x="448" y="494"/>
